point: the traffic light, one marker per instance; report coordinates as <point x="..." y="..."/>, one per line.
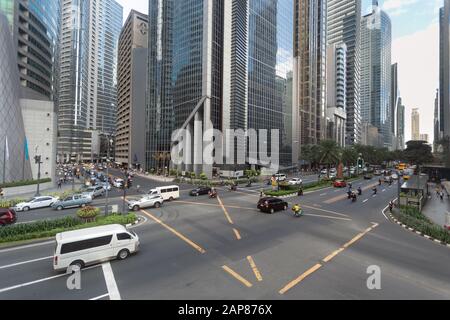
<point x="360" y="163"/>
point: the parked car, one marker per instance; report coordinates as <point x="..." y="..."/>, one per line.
<point x="35" y="203"/>
<point x="295" y="182"/>
<point x="94" y="192"/>
<point x="271" y="205"/>
<point x="200" y="191"/>
<point x="146" y="202"/>
<point x="93" y="245"/>
<point x="340" y="184"/>
<point x="74" y="201"/>
<point x="7" y="217"/>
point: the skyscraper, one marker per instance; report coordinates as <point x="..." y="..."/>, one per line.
<point x="132" y="82"/>
<point x="14" y="165"/>
<point x="395" y="96"/>
<point x="310" y="67"/>
<point x="35" y="30"/>
<point x="336" y="92"/>
<point x="376" y="42"/>
<point x="437" y="126"/>
<point x="415" y="124"/>
<point x="444" y="69"/>
<point x="401" y="125"/>
<point x="226" y="64"/>
<point x="344" y="26"/>
<point x="88" y="76"/>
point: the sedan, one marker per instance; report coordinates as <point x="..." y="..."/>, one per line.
<point x="200" y="191"/>
<point x="75" y="201"/>
<point x="36" y="203"/>
<point x="395" y="176"/>
<point x="7" y="217"/>
<point x="368" y="176"/>
<point x="94" y="192"/>
<point x="295" y="182"/>
<point x="270" y="205"/>
<point x="340" y="184"/>
<point x="119" y="183"/>
<point x="146" y="202"/>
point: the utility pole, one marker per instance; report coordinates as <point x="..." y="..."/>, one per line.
<point x="107" y="176"/>
<point x="37" y="159"/>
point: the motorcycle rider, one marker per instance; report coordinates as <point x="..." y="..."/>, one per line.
<point x="297" y="210"/>
<point x="391" y="206"/>
<point x="359" y="191"/>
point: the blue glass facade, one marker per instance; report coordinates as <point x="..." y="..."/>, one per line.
<point x="270" y="69"/>
<point x="376" y="42"/>
<point x="36" y="34"/>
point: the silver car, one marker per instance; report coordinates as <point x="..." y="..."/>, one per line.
<point x="94" y="192"/>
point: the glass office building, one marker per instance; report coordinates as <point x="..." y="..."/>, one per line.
<point x="270" y="70"/>
<point x="344" y="26"/>
<point x="376" y="42"/>
<point x="35" y="29"/>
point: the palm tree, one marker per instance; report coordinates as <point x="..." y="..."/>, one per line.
<point x="329" y="153"/>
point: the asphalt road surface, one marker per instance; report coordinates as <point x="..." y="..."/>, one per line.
<point x="201" y="248"/>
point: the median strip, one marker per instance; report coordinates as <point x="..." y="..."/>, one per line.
<point x="178" y="234"/>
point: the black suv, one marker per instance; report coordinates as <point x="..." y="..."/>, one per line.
<point x="270" y="205"/>
<point x="200" y="191"/>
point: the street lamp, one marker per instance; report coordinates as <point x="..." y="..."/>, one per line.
<point x="110" y="142"/>
<point x="38" y="161"/>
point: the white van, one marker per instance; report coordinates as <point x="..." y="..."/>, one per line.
<point x="281" y="177"/>
<point x="93" y="245"/>
<point x="168" y="193"/>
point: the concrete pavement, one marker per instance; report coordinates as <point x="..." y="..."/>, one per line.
<point x="272" y="252"/>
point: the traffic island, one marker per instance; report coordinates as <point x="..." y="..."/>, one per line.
<point x="412" y="219"/>
<point x="49" y="228"/>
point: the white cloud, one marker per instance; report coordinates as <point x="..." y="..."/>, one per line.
<point x="417" y="55"/>
<point x="397" y="4"/>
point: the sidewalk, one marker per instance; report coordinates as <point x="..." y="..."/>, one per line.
<point x="436" y="210"/>
<point x="64" y="187"/>
<point x="155" y="178"/>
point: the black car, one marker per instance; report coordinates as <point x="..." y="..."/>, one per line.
<point x="200" y="191"/>
<point x="270" y="205"/>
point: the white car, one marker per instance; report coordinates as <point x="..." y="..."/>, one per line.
<point x="119" y="183"/>
<point x="146" y="202"/>
<point x="36" y="203"/>
<point x="324" y="171"/>
<point x="394" y="176"/>
<point x="295" y="181"/>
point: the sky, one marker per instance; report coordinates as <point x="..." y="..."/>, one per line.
<point x="415" y="47"/>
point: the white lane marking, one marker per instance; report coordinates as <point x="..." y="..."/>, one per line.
<point x="323" y="194"/>
<point x="100" y="297"/>
<point x="27" y="246"/>
<point x="31" y="283"/>
<point x="111" y="282"/>
<point x="24" y="262"/>
<point x="365" y="200"/>
<point x="39" y="281"/>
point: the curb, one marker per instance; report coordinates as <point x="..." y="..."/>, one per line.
<point x="134" y="223"/>
<point x="416" y="232"/>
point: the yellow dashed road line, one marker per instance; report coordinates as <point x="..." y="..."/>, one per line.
<point x="237" y="276"/>
<point x="254" y="268"/>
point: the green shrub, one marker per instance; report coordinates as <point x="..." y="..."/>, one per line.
<point x="49" y="228"/>
<point x="203" y="176"/>
<point x="413" y="218"/>
<point x="24" y="183"/>
<point x="88" y="213"/>
<point x="10" y="203"/>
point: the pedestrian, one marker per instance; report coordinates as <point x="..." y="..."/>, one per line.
<point x="59" y="184"/>
<point x="391" y="206"/>
<point x="300" y="192"/>
<point x="442" y="195"/>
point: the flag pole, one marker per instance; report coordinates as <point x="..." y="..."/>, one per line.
<point x="4" y="161"/>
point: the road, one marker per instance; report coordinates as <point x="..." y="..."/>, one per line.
<point x="201" y="248"/>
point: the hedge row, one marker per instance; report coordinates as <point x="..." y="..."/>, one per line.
<point x="49" y="228"/>
<point x="413" y="218"/>
<point x="24" y="183"/>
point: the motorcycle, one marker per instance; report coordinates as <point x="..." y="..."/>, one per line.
<point x="298" y="213"/>
<point x="213" y="195"/>
<point x="360" y="192"/>
<point x="354" y="198"/>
